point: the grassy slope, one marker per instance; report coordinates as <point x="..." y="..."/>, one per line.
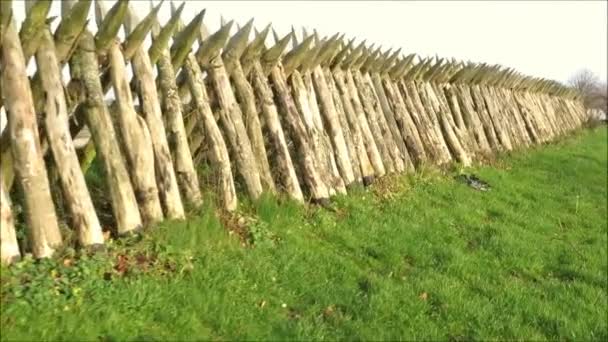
<point x="423" y="257"/>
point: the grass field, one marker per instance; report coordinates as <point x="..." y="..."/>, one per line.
<point x="416" y="257"/>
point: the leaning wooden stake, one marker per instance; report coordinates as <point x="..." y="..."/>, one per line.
<point x="137" y="146"/>
<point x="99" y="122"/>
<point x="367" y="170"/>
<point x="285" y="170"/>
<point x="231" y="117"/>
<point x="309" y="165"/>
<point x="213" y="136"/>
<point x="76" y="195"/>
<point x="150" y="103"/>
<point x="246" y="98"/>
<point x="187" y="178"/>
<point x="28" y="163"/>
<point x="9" y="248"/>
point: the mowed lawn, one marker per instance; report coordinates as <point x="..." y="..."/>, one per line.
<point x="415" y="257"/>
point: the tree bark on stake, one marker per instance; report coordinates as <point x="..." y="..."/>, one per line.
<point x="471" y="118"/>
<point x="454" y="117"/>
<point x="370" y="117"/>
<point x="254" y="128"/>
<point x="402" y="160"/>
<point x="459" y="118"/>
<point x="372" y="149"/>
<point x="76" y="195"/>
<point x="419" y="122"/>
<point x="122" y="196"/>
<point x="187" y="178"/>
<point x="66" y="37"/>
<point x="441" y="152"/>
<point x="231" y="117"/>
<point x="135" y="138"/>
<point x="317" y="139"/>
<point x="28" y="163"/>
<point x="213" y="136"/>
<point x="336" y="134"/>
<point x="9" y="247"/>
<point x="367" y="170"/>
<point x="328" y="155"/>
<point x="109" y="26"/>
<point x="246" y="98"/>
<point x="285" y="169"/>
<point x="422" y="96"/>
<point x="150" y="103"/>
<point x="348" y="137"/>
<point x="389" y="115"/>
<point x="449" y="134"/>
<point x="481" y="110"/>
<point x="462" y="140"/>
<point x="412" y="136"/>
<point x="318" y="189"/>
<point x="528" y="126"/>
<point x="495" y="117"/>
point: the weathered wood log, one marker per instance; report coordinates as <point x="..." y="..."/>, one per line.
<point x="99" y="122"/>
<point x="401" y="161"/>
<point x="334" y="127"/>
<point x="367" y="170"/>
<point x="370" y="117"/>
<point x="435" y="142"/>
<point x="449" y="96"/>
<point x="218" y="151"/>
<point x="75" y="193"/>
<point x="318" y="190"/>
<point x="136" y="148"/>
<point x="387" y="111"/>
<point x="328" y="155"/>
<point x="462" y="138"/>
<point x="409" y="130"/>
<point x="233" y="126"/>
<point x="66" y="36"/>
<point x="150" y="103"/>
<point x="471" y="118"/>
<point x="9" y="248"/>
<point x="495" y="117"/>
<point x="439" y="113"/>
<point x="484" y="117"/>
<point x="33" y="26"/>
<point x="368" y="137"/>
<point x="348" y="138"/>
<point x="246" y="99"/>
<point x="187" y="178"/>
<point x="285" y="170"/>
<point x="320" y="145"/>
<point x="31" y="173"/>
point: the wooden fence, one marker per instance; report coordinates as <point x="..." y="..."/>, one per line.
<point x="304" y="119"/>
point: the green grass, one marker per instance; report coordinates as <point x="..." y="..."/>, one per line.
<point x="419" y="257"/>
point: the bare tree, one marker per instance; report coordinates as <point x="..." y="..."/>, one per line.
<point x="594" y="91"/>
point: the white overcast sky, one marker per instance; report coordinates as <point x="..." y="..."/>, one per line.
<point x="549" y="39"/>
